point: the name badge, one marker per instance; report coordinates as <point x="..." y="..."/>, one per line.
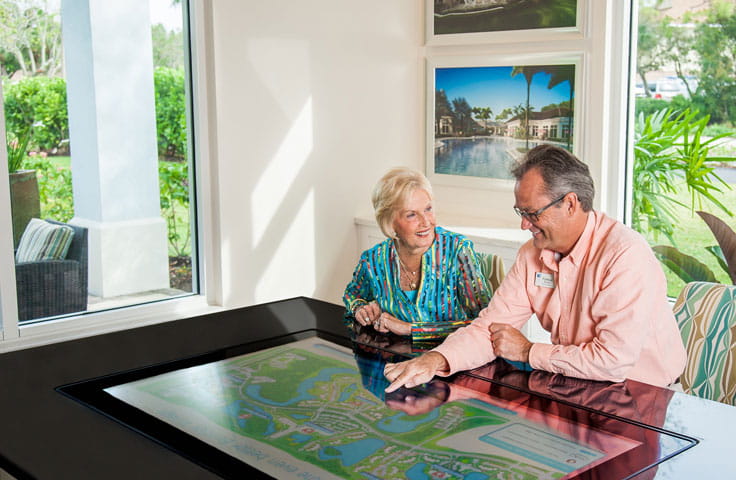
<point x="546" y="280"/>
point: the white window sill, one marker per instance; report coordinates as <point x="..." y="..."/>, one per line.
<point x="71" y="328"/>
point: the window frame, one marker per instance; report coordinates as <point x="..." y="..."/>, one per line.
<point x="200" y="100"/>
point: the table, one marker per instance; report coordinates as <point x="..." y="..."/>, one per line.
<point x="46" y="435"/>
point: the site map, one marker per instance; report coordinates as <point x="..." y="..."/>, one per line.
<point x="300" y="411"/>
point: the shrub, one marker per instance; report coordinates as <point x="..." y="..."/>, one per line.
<point x="54" y="188"/>
<point x="174" y="185"/>
<point x="171" y="115"/>
<point x="37" y="100"/>
<point x="647" y="106"/>
<point x="42" y="100"/>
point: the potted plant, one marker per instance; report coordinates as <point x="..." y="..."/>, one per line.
<point x="24" y="197"/>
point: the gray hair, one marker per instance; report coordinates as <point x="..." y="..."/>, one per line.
<point x="561" y="171"/>
<point x="393" y="191"/>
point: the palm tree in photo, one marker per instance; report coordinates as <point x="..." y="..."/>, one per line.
<point x="528" y="71"/>
<point x="519" y="111"/>
<point x="483" y="113"/>
<point x="560" y="74"/>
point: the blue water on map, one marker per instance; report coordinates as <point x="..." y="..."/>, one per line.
<point x="352" y="453"/>
<point x="417" y="472"/>
<point x="254" y="391"/>
<point x="300" y="438"/>
<point x="400" y="424"/>
<point x="345" y="395"/>
<point x="299" y="416"/>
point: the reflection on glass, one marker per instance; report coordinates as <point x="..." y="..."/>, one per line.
<point x="312" y="407"/>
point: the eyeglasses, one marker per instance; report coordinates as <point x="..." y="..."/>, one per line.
<point x="534" y="216"/>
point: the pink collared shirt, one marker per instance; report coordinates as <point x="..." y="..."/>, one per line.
<point x="607" y="310"/>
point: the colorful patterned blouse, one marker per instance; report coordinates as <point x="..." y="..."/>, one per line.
<point x="452" y="292"/>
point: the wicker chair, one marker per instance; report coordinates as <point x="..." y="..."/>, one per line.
<point x="54" y="287"/>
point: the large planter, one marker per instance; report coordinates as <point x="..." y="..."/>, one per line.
<point x="24" y="201"/>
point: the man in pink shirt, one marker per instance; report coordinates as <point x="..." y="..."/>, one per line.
<point x="592" y="282"/>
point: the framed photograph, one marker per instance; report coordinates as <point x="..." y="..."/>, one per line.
<point x="484" y="113"/>
<point x="451" y="22"/>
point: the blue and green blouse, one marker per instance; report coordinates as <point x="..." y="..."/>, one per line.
<point x="451" y="294"/>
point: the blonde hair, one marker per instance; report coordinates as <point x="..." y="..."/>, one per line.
<point x="392" y="192"/>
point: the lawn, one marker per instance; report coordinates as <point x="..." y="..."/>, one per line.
<point x="693" y="235"/>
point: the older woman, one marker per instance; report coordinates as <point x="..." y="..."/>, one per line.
<point x="423" y="280"/>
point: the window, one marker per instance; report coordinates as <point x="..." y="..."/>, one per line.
<point x="684" y="86"/>
<point x="95" y="101"/>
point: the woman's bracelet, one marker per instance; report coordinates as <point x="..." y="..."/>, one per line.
<point x="360" y="304"/>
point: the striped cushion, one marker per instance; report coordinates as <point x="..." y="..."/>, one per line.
<point x="706" y="315"/>
<point x="43" y="241"/>
<point x="492" y="268"/>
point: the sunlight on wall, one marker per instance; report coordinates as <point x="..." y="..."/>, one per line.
<point x="281" y="173"/>
<point x="290" y="268"/>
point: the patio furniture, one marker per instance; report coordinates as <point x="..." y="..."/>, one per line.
<point x="48" y="288"/>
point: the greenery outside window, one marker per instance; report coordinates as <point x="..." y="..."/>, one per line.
<point x="685" y="137"/>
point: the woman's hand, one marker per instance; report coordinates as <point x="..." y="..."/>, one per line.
<point x="367" y="314"/>
<point x="388" y="323"/>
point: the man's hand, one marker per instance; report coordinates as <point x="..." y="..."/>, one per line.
<point x="413" y="403"/>
<point x="509" y="343"/>
<point x="415" y="371"/>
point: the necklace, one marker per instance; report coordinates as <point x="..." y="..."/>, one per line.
<point x="409" y="276"/>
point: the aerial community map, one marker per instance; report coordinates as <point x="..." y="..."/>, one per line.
<point x="300" y="411"/>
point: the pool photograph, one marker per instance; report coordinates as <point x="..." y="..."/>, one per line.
<point x="486" y="118"/>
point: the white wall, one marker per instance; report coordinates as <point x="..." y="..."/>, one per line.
<point x="315" y="100"/>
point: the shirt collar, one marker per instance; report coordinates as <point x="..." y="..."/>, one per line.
<point x="578" y="252"/>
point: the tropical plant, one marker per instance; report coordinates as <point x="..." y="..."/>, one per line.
<point x="690" y="269"/>
<point x="17" y="148"/>
<point x="670" y="147"/>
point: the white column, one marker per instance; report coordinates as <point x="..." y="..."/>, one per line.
<point x="112" y="125"/>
